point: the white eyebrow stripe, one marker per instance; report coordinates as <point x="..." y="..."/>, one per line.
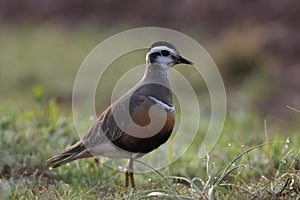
<point x="160" y="48"/>
<point x="164" y="105"/>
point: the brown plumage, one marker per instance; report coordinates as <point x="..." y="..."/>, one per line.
<point x="124" y="139"/>
<point x="71" y="153"/>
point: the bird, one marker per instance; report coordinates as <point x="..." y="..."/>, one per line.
<point x="138" y="122"/>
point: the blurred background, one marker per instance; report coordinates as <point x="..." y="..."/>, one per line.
<point x="255" y="45"/>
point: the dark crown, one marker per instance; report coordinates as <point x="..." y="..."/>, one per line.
<point x="163" y="43"/>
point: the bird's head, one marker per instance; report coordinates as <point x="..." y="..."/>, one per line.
<point x="165" y="55"/>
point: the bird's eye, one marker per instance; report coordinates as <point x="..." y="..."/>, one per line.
<point x="165" y="53"/>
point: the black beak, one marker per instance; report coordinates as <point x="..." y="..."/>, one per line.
<point x="182" y="60"/>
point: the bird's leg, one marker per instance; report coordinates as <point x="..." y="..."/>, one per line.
<point x="132" y="180"/>
<point x="129" y="174"/>
<point x="126" y="177"/>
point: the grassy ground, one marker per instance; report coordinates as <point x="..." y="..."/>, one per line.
<point x="237" y="168"/>
<point x="253" y="158"/>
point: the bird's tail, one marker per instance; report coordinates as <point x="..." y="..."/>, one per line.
<point x="74" y="152"/>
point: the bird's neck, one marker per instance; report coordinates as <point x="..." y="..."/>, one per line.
<point x="157" y="75"/>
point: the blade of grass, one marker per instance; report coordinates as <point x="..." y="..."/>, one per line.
<point x="268" y="149"/>
<point x="225" y="172"/>
<point x="294" y="109"/>
<point x="169" y="184"/>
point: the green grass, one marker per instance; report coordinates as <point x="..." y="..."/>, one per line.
<point x="251" y="158"/>
<point x="233" y="170"/>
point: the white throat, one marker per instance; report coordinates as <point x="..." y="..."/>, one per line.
<point x="165" y="62"/>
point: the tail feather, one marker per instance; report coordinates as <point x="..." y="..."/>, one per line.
<point x="74" y="152"/>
